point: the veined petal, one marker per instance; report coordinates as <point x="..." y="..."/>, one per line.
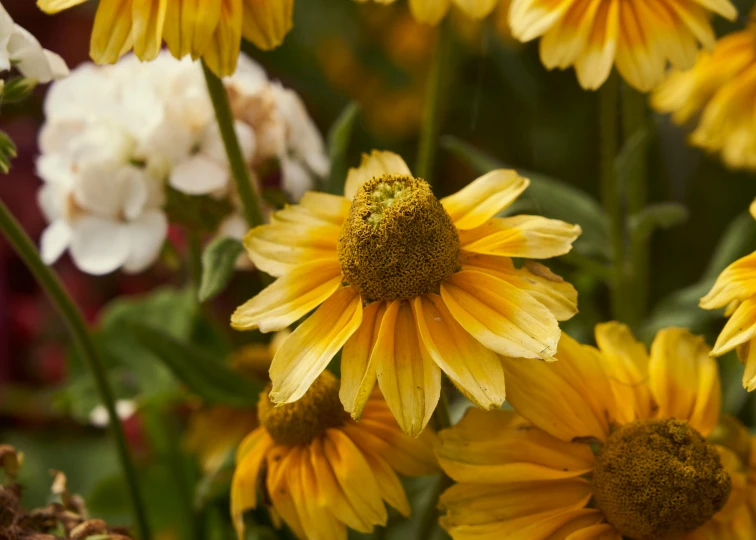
<point x="282" y="462"/>
<point x="477" y="9"/>
<point x="591" y="528"/>
<point x="429" y="11"/>
<point x="684" y="379"/>
<point x="357" y="373"/>
<point x="278" y="250"/>
<point x="332" y="208"/>
<point x="266" y="22"/>
<point x="530" y="19"/>
<point x="222" y="53"/>
<point x="250" y="457"/>
<point x="531" y="237"/>
<point x="561" y="46"/>
<point x="625" y="361"/>
<point x="736" y="282"/>
<point x="54" y="6"/>
<point x="473" y="368"/>
<point x="502" y="447"/>
<point x="570" y="399"/>
<point x="389" y="485"/>
<point x="501" y="316"/>
<point x="289" y="297"/>
<point x="408" y="377"/>
<point x="149" y="18"/>
<point x="306" y="352"/>
<point x="594" y="64"/>
<point x="481" y="200"/>
<point x="111" y="34"/>
<point x="376" y="164"/>
<point x="559" y="296"/>
<point x="739" y="329"/>
<point x="747" y="356"/>
<point x="189" y="26"/>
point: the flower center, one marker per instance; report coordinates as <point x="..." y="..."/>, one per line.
<point x="398" y="241"/>
<point x="659" y="479"/>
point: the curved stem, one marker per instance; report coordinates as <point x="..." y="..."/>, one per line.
<point x="247" y="194"/>
<point x="426" y="154"/>
<point x="49" y="281"/>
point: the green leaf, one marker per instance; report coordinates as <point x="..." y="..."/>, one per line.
<point x="339" y="138"/>
<point x="218" y="263"/>
<point x="202" y="373"/>
<point x="663" y="215"/>
<point x="547" y="196"/>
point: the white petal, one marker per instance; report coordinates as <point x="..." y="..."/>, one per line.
<point x="30" y="58"/>
<point x="99" y="246"/>
<point x="199" y="175"/>
<point x="212" y="142"/>
<point x="296" y="179"/>
<point x="146" y="237"/>
<point x="111" y="192"/>
<point x="54" y="241"/>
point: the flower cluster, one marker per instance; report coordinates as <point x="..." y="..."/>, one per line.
<point x="118" y="140"/>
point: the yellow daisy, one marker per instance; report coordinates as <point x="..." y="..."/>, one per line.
<point x="735" y="289"/>
<point x="410" y="286"/>
<point x="208" y="29"/>
<point x="432" y="11"/>
<point x="610" y="444"/>
<point x="720" y="88"/>
<point x="639" y="36"/>
<point x="320" y="471"/>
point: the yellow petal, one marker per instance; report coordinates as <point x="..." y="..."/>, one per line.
<point x="739" y="329"/>
<point x="250" y="457"/>
<point x="477" y="9"/>
<point x="531" y="237"/>
<point x="559" y="296"/>
<point x="222" y="53"/>
<point x="529" y="19"/>
<point x="752" y="209"/>
<point x="282" y="463"/>
<point x="111" y="34"/>
<point x="594" y="64"/>
<point x="473" y="368"/>
<point x="190" y="26"/>
<point x="598" y="531"/>
<point x="55" y="6"/>
<point x="502" y="447"/>
<point x="149" y="18"/>
<point x="625" y="361"/>
<point x="355" y="477"/>
<point x="684" y="379"/>
<point x="266" y="22"/>
<point x="481" y="200"/>
<point x="502" y="317"/>
<point x="408" y="377"/>
<point x="570" y="399"/>
<point x="429" y="11"/>
<point x="306" y="352"/>
<point x="374" y="165"/>
<point x="747" y="356"/>
<point x="389" y="485"/>
<point x="721" y="7"/>
<point x="357" y="373"/>
<point x="332" y="208"/>
<point x="561" y="46"/>
<point x="289" y="298"/>
<point x="736" y="282"/>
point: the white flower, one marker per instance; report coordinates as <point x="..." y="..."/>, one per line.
<point x="125" y="409"/>
<point x="21" y="49"/>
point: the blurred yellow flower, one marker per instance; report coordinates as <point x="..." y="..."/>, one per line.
<point x="432" y="11"/>
<point x="208" y="29"/>
<point x="323" y="472"/>
<point x="610" y="443"/>
<point x="719" y="88"/>
<point x="410" y="286"/>
<point x="639" y="37"/>
<point x="735" y="289"/>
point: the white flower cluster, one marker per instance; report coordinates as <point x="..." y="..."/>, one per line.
<point x="115" y="137"/>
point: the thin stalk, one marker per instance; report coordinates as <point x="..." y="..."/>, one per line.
<point x="426" y="154"/>
<point x="635" y="119"/>
<point x="82" y="339"/>
<point x="429" y="521"/>
<point x="247" y="194"/>
<point x="610" y="191"/>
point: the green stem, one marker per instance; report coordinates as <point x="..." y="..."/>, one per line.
<point x="610" y="191"/>
<point x="247" y="194"/>
<point x="426" y="154"/>
<point x="50" y="282"/>
<point x="634" y="120"/>
<point x="429" y="521"/>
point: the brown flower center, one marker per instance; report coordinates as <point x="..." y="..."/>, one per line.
<point x="398" y="241"/>
<point x="659" y="479"/>
<point x="300" y="422"/>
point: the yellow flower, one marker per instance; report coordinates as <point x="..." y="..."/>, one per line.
<point x="432" y="11"/>
<point x="323" y="472"/>
<point x="208" y="29"/>
<point x="735" y="289"/>
<point x="638" y="35"/>
<point x="610" y="444"/>
<point x="720" y="88"/>
<point x="410" y="286"/>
